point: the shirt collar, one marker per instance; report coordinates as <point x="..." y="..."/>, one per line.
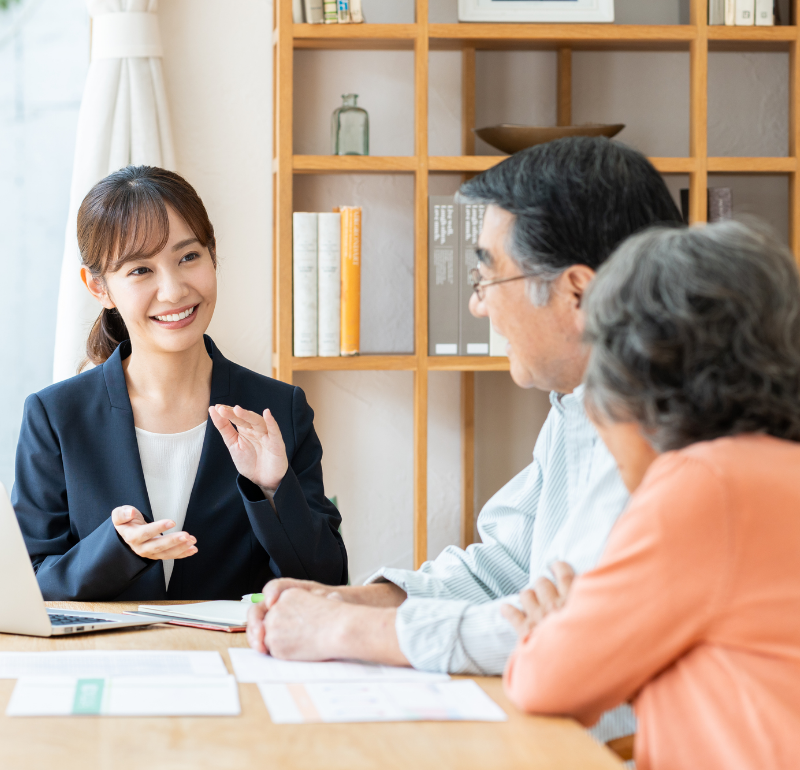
<point x="118" y="389"/>
<point x="565" y="401"/>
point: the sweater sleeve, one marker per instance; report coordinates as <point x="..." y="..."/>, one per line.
<point x="97" y="567"/>
<point x="301" y="533"/>
<point x="646" y="604"/>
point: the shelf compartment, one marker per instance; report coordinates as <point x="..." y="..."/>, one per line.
<point x="466" y="164"/>
<point x="375" y="37"/>
<point x="592" y="37"/>
<point x="732" y="165"/>
<point x="353" y="164"/>
<point x="467" y="363"/>
<point x="721" y="38"/>
<point x="401" y="363"/>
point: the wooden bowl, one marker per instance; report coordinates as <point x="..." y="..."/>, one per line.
<point x="511" y="138"/>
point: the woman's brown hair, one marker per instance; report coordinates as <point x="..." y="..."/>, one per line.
<point x="124" y="217"/>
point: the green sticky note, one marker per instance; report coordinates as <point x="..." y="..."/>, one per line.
<point x="88" y="696"/>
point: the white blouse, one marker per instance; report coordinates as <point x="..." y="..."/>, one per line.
<point x="170" y="462"/>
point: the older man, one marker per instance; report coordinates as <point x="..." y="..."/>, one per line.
<point x="554" y="213"/>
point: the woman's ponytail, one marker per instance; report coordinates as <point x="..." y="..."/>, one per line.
<point x="107" y="333"/>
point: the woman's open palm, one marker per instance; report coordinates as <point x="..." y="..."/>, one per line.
<point x="257" y="446"/>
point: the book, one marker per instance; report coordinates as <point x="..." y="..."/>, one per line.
<point x="473" y="333"/>
<point x="214" y="616"/>
<point x="443" y="286"/>
<point x="765" y="13"/>
<point x="716" y="12"/>
<point x="344" y="12"/>
<point x="329" y="12"/>
<point x="329" y="272"/>
<point x="497" y="342"/>
<point x="745" y="13"/>
<point x="304" y="283"/>
<point x="720" y="204"/>
<point x="356" y="14"/>
<point x="314" y="12"/>
<point x="730" y="12"/>
<point x="719" y="201"/>
<point x="298" y="17"/>
<point x="784" y="12"/>
<point x="351" y="280"/>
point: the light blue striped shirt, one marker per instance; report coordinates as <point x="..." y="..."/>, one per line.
<point x="561" y="507"/>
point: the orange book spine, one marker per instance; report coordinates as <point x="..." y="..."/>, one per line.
<point x="351" y="280"/>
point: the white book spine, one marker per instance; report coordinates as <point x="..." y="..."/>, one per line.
<point x="745" y="13"/>
<point x="314" y="14"/>
<point x="716" y="12"/>
<point x="329" y="242"/>
<point x="497" y="342"/>
<point x="304" y="283"/>
<point x="765" y="13"/>
<point x="730" y="12"/>
<point x="297" y="12"/>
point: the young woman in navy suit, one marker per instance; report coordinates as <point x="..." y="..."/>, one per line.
<point x="166" y="471"/>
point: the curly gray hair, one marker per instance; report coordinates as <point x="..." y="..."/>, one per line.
<point x="696" y="335"/>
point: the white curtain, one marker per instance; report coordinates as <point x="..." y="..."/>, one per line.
<point x="123" y="120"/>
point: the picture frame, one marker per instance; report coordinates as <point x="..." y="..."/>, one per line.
<point x="548" y="11"/>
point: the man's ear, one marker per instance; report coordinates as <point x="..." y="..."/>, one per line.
<point x="577" y="280"/>
<point x="97" y="288"/>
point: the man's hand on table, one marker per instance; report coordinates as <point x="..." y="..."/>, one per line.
<point x="302" y="625"/>
<point x="373" y="595"/>
<point x="538" y="602"/>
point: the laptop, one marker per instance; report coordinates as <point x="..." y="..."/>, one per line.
<point x="22" y="609"/>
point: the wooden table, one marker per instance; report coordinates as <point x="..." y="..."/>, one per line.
<point x="252" y="741"/>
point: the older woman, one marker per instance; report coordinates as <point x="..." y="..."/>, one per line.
<point x="694" y="610"/>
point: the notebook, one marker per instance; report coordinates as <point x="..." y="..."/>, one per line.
<point x="215" y="616"/>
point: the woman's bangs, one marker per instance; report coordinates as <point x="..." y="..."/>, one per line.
<point x="142" y="227"/>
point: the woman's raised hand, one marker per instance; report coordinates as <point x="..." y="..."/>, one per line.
<point x="257" y="447"/>
<point x="146" y="539"/>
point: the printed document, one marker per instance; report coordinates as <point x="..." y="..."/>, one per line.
<point x="456" y="700"/>
<point x="111" y="663"/>
<point x="125" y="696"/>
<point x="252" y="666"/>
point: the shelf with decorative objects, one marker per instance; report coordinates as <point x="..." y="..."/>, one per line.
<point x="696" y="38"/>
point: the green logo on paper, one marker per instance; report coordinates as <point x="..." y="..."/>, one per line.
<point x="88" y="696"/>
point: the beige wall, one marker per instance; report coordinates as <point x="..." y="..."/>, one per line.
<point x="217" y="70"/>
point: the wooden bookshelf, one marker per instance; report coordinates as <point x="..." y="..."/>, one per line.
<point x="697" y="38"/>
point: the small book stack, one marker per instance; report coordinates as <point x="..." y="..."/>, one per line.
<point x="749" y="12"/>
<point x="327" y="12"/>
<point x="326" y="282"/>
<point x="453" y="230"/>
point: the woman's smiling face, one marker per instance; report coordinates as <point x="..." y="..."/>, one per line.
<point x="166" y="300"/>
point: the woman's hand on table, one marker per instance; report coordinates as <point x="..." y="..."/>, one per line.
<point x="537" y="603"/>
<point x="146" y="539"/>
<point x="255" y="444"/>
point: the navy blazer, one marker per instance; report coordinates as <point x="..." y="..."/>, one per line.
<point x="78" y="459"/>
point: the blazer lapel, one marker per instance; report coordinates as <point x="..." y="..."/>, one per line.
<point x="213" y="456"/>
<point x="124" y="429"/>
<point x="123" y="433"/>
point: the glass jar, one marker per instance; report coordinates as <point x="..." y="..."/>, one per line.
<point x="350" y="128"/>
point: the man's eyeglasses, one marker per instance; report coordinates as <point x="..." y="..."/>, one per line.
<point x="479" y="286"/>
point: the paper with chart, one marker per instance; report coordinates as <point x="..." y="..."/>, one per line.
<point x="252" y="666"/>
<point x="125" y="696"/>
<point x="455" y="700"/>
<point x="111" y="663"/>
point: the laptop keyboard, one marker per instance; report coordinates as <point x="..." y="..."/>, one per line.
<point x="72" y="620"/>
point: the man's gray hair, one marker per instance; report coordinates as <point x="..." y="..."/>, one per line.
<point x="696" y="335"/>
